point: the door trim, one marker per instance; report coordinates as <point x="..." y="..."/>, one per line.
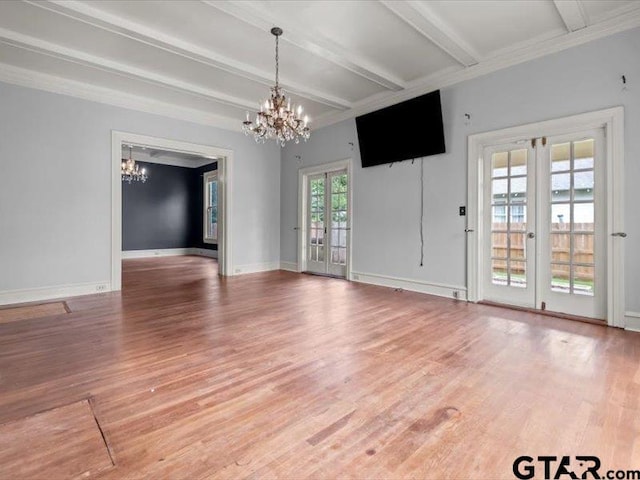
<point x="225" y="164"/>
<point x="303" y="175"/>
<point x="612" y="120"/>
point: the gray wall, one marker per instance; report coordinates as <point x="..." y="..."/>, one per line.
<point x="386" y="200"/>
<point x="55" y="187"/>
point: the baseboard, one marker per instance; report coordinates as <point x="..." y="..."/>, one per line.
<point x="255" y="268"/>
<point x="204" y="252"/>
<point x="632" y="321"/>
<point x="168" y="252"/>
<point x="289" y="266"/>
<point x="48" y="293"/>
<point x="420" y="286"/>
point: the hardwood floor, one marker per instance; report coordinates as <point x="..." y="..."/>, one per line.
<point x="281" y="375"/>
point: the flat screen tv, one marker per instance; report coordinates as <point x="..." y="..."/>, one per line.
<point x="404" y="131"/>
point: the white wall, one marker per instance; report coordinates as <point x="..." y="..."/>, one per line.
<point x="55" y="188"/>
<point x="386" y="200"/>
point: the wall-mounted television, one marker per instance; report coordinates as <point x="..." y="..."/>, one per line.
<point x="407" y="130"/>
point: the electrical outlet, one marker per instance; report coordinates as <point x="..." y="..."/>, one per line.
<point x="462" y="211"/>
<point x="355" y="276"/>
<point x="101" y="288"/>
<point x="456" y="294"/>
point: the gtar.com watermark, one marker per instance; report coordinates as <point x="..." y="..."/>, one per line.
<point x="566" y="467"/>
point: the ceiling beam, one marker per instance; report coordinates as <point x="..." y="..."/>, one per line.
<point x="572" y="13"/>
<point x="258" y="14"/>
<point x="37" y="45"/>
<point x="143" y="34"/>
<point x="422" y="18"/>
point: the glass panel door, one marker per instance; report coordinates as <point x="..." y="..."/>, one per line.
<point x="509" y="218"/>
<point x="327" y="226"/>
<point x="316" y="226"/>
<point x="338" y="223"/>
<point x="573" y="243"/>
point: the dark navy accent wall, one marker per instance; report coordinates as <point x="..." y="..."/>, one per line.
<point x="166" y="211"/>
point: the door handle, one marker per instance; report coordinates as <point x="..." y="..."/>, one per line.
<point x="531" y="235"/>
<point x="619" y="234"/>
<point x="468" y="230"/>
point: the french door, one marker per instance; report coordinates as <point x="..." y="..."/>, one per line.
<point x="545" y="224"/>
<point x="327" y="223"/>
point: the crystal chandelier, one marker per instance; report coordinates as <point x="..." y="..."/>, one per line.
<point x="130" y="171"/>
<point x="276" y="118"/>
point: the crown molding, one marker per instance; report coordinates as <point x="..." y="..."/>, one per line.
<point x="507" y="59"/>
<point x="63" y="86"/>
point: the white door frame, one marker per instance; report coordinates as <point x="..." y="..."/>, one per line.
<point x="303" y="175"/>
<point x="225" y="161"/>
<point x="612" y="120"/>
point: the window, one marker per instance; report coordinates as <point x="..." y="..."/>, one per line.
<point x="210" y="229"/>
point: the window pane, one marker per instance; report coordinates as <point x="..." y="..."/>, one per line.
<point x="499" y="272"/>
<point x="518" y="276"/>
<point x="560" y="247"/>
<point x="343" y="256"/>
<point x="499" y="217"/>
<point x="320" y="253"/>
<point x="560" y="187"/>
<point x="583" y="248"/>
<point x="519" y="162"/>
<point x="339" y="201"/>
<point x="335" y="255"/>
<point x="317" y="186"/>
<point x="584" y="217"/>
<point x="560" y="157"/>
<point x="313" y="253"/>
<point x="517" y="246"/>
<point x="499" y="190"/>
<point x="339" y="183"/>
<point x="560" y="278"/>
<point x="518" y="190"/>
<point x="213" y="193"/>
<point x="583" y="280"/>
<point x="518" y="217"/>
<point x="342" y="238"/>
<point x="583" y="152"/>
<point x="499" y="164"/>
<point x="499" y="245"/>
<point x="583" y="185"/>
<point x="560" y="217"/>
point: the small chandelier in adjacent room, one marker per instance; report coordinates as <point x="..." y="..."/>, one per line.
<point x="277" y="118"/>
<point x="130" y="171"/>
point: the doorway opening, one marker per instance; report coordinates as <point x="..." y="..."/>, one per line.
<point x="545" y="217"/>
<point x="208" y="177"/>
<point x="325" y="218"/>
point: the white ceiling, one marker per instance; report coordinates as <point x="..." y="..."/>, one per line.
<point x="210" y="61"/>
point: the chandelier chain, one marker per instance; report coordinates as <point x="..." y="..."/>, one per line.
<point x="277" y="62"/>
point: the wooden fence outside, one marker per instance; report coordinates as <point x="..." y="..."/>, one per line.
<point x="584" y="250"/>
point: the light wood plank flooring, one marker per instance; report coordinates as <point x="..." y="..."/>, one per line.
<point x="281" y="375"/>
